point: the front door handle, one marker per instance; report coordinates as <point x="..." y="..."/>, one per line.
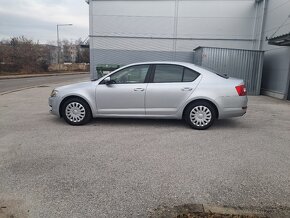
<point x="139" y="89"/>
<point x="186" y="89"/>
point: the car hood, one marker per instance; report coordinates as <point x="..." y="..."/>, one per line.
<point x="75" y="86"/>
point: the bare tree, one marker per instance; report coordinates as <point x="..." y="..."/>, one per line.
<point x="73" y="52"/>
<point x="83" y="52"/>
<point x="22" y="54"/>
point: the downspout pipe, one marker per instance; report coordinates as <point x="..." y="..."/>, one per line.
<point x="265" y="2"/>
<point x="175" y="28"/>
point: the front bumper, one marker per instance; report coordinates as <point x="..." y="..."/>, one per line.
<point x="53" y="103"/>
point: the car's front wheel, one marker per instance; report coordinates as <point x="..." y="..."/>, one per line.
<point x="200" y="115"/>
<point x="76" y="111"/>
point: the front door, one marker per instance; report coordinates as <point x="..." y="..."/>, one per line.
<point x="126" y="96"/>
<point x="169" y="88"/>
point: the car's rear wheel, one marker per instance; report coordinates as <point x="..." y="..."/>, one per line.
<point x="76" y="111"/>
<point x="200" y="115"/>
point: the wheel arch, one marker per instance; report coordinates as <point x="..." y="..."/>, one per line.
<point x="69" y="97"/>
<point x="202" y="100"/>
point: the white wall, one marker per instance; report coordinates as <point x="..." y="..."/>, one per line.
<point x="200" y="22"/>
<point x="216" y="19"/>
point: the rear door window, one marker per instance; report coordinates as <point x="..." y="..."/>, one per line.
<point x="168" y="73"/>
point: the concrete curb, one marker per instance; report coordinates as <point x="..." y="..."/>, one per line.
<point x="230" y="210"/>
<point x="40" y="75"/>
<point x="205" y="209"/>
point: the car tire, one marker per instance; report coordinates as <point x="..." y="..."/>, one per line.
<point x="76" y="111"/>
<point x="200" y="115"/>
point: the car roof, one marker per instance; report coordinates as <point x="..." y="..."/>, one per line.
<point x="185" y="64"/>
<point x="163" y="62"/>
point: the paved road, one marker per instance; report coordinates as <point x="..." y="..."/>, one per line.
<point x="13" y="84"/>
<point x="129" y="167"/>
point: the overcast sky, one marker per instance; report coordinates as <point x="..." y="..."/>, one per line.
<point x="37" y="19"/>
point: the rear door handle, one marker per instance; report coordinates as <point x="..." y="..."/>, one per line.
<point x="186" y="89"/>
<point x="139" y="89"/>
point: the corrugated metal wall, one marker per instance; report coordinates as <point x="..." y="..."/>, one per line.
<point x="276" y="71"/>
<point x="244" y="64"/>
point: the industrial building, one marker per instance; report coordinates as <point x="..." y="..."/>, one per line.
<point x="128" y="31"/>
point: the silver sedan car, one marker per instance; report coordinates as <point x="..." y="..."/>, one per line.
<point x="170" y="90"/>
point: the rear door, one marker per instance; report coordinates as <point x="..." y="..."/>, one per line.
<point x="169" y="87"/>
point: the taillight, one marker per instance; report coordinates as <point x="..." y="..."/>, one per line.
<point x="241" y="89"/>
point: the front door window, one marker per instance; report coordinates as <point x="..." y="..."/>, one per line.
<point x="134" y="74"/>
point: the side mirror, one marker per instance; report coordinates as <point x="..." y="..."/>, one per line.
<point x="108" y="81"/>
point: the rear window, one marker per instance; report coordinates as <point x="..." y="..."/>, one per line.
<point x="225" y="76"/>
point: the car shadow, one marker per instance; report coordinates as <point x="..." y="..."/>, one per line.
<point x="137" y="122"/>
<point x="228" y="124"/>
<point x="219" y="124"/>
<point x="233" y="123"/>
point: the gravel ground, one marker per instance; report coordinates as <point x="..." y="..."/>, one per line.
<point x="129" y="167"/>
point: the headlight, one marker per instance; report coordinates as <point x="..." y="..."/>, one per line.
<point x="53" y="93"/>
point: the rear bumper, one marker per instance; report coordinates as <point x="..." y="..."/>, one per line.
<point x="232" y="112"/>
<point x="234" y="107"/>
